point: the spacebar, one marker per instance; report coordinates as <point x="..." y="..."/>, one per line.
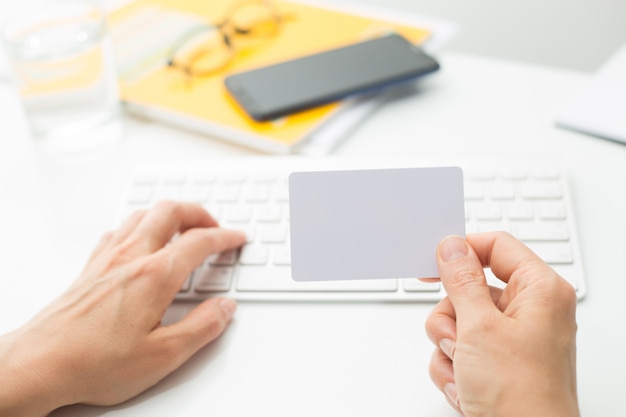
<point x="263" y="278"/>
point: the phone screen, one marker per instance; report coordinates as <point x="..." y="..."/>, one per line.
<point x="280" y="89"/>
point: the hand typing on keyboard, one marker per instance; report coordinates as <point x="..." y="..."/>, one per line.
<point x="102" y="341"/>
<point x="504" y="352"/>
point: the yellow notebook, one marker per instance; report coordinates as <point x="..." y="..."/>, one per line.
<point x="144" y="30"/>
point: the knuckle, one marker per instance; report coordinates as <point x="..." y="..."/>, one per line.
<point x="487" y="324"/>
<point x="555" y="285"/>
<point x="167" y="207"/>
<point x="106" y="237"/>
<point x="439" y="368"/>
<point x="214" y="327"/>
<point x="442" y="313"/>
<point x="136" y="215"/>
<point x="503" y="234"/>
<point x="116" y="256"/>
<point x="123" y="252"/>
<point x="465" y="275"/>
<point x="212" y="238"/>
<point x="170" y="350"/>
<point x="566" y="293"/>
<point x="434" y="366"/>
<point x="150" y="266"/>
<point x="568" y="290"/>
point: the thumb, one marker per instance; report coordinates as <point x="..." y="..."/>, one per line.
<point x="201" y="326"/>
<point x="462" y="276"/>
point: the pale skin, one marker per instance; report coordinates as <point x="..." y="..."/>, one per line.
<point x="102" y="342"/>
<point x="508" y="352"/>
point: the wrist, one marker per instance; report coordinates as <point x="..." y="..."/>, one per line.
<point x="27" y="380"/>
<point x="554" y="409"/>
<point x="553" y="403"/>
<point x="522" y="397"/>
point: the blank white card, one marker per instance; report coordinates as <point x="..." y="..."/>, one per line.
<point x="372" y="224"/>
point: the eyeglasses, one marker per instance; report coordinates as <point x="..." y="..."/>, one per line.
<point x="207" y="48"/>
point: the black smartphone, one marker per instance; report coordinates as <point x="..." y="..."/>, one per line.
<point x="280" y="89"/>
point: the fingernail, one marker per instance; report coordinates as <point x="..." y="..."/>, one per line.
<point x="447" y="346"/>
<point x="228" y="306"/>
<point x="450" y="390"/>
<point x="452" y="248"/>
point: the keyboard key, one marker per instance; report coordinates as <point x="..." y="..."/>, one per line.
<point x="545" y="231"/>
<point x="234" y="178"/>
<point x="141" y="193"/>
<point x="204" y="178"/>
<point x="282" y="193"/>
<point x="227" y="193"/>
<point x="145" y="178"/>
<point x="279" y="279"/>
<point x="198" y="193"/>
<point x="282" y="255"/>
<point x="174" y="179"/>
<point x="257" y="193"/>
<point x="273" y="234"/>
<point x="521" y="211"/>
<point x="546" y="173"/>
<point x="503" y="191"/>
<point x="254" y="254"/>
<point x="169" y="191"/>
<point x="415" y="285"/>
<point x="473" y="191"/>
<point x="269" y="213"/>
<point x="527" y="200"/>
<point x="552" y="211"/>
<point x="237" y="213"/>
<point x="212" y="278"/>
<point x="224" y="259"/>
<point x="487" y="212"/>
<point x="553" y="252"/>
<point x="541" y="191"/>
<point x="187" y="284"/>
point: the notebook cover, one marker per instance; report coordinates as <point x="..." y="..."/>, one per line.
<point x="140" y="34"/>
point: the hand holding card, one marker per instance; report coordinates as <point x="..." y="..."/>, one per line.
<point x="372" y="224"/>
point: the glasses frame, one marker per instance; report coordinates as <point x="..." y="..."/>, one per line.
<point x="227" y="29"/>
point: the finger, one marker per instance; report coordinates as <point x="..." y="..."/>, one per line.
<point x="463" y="278"/>
<point x="161" y="223"/>
<point x="193" y="247"/>
<point x="201" y="326"/>
<point x="109" y="240"/>
<point x="441" y="322"/>
<point x="514" y="263"/>
<point x="504" y="254"/>
<point x="498" y="299"/>
<point x="441" y="373"/>
<point x="440" y="369"/>
<point x="115" y="236"/>
<point x="128" y="226"/>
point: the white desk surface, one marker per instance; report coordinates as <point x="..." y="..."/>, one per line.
<point x="325" y="359"/>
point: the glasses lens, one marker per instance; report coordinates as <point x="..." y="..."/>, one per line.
<point x="203" y="51"/>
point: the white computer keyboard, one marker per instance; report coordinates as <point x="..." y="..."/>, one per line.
<point x="526" y="197"/>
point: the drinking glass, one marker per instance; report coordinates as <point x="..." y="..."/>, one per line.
<point x="63" y="68"/>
